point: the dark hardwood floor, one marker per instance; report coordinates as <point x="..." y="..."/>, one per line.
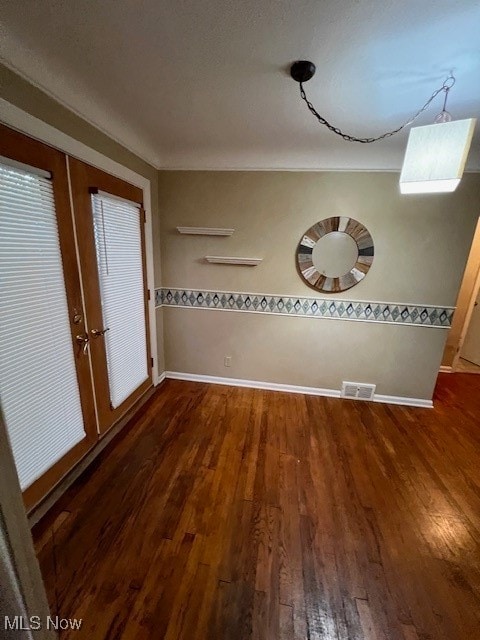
<point x="227" y="513"/>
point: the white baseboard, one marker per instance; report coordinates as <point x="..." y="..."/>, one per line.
<point x="444" y="369"/>
<point x="290" y="388"/>
<point x="402" y="400"/>
<point x="253" y="384"/>
<point x="161" y="378"/>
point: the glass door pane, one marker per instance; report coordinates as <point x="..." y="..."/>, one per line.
<point x="46" y="413"/>
<point x="120" y="272"/>
<point x="110" y="229"/>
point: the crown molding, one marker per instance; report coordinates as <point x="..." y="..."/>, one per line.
<point x="137" y="149"/>
<point x="285" y="168"/>
<point x="213" y="161"/>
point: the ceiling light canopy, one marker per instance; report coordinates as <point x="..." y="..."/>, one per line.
<point x="436" y="154"/>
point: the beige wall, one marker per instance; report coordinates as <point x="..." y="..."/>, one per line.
<point x="19" y="92"/>
<point x="421" y="245"/>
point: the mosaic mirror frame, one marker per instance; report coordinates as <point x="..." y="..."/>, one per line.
<point x="344" y="281"/>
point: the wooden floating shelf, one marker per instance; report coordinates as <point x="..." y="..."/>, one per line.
<point x="204" y="231"/>
<point x="250" y="262"/>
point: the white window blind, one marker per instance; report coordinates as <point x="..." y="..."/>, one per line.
<point x="38" y="380"/>
<point x="120" y="270"/>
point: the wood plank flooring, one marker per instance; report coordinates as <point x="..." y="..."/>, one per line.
<point x="227" y="513"/>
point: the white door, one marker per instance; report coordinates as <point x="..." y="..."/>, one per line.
<point x="471" y="346"/>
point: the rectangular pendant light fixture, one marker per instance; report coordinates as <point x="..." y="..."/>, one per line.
<point x="435" y="156"/>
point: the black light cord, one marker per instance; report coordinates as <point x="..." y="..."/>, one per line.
<point x="446" y="86"/>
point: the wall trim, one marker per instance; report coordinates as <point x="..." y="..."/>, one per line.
<point x="290" y="388"/>
<point x="158" y="290"/>
<point x="114" y="129"/>
<point x="270" y="168"/>
<point x="445" y="369"/>
<point x="137" y="146"/>
<point x="421" y="403"/>
<point x="307" y="307"/>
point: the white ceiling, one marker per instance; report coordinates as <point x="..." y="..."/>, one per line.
<point x="205" y="84"/>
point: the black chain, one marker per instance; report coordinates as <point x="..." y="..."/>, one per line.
<point x="446" y="86"/>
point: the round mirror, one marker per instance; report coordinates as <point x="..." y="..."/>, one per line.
<point x="335" y="254"/>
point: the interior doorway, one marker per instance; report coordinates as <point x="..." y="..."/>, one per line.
<point x="462" y="349"/>
<point x="469" y="360"/>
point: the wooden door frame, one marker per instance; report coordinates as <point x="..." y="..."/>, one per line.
<point x="22" y="148"/>
<point x="464" y="307"/>
<point x="30" y="597"/>
<point x="86" y="180"/>
<point x="25" y="123"/>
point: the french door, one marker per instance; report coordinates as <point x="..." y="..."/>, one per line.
<point x="45" y="382"/>
<point x="110" y="228"/>
<point x="73" y="308"/>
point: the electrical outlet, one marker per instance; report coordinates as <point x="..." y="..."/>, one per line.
<point x="227" y="361"/>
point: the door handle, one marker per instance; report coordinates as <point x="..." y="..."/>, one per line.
<point x="83" y="340"/>
<point x="96" y="333"/>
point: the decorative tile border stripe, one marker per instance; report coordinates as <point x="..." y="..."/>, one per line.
<point x="384" y="312"/>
